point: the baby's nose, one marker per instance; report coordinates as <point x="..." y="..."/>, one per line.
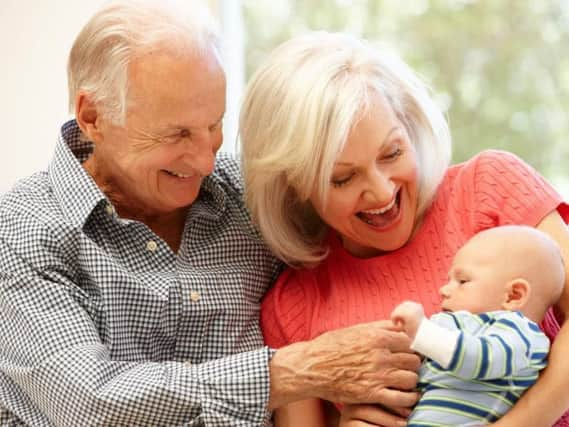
<point x="444" y="291"/>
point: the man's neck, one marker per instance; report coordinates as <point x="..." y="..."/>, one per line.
<point x="167" y="225"/>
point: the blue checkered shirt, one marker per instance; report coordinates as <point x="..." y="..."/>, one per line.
<point x="101" y="323"/>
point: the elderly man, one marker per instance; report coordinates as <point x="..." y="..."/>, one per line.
<point x="130" y="274"/>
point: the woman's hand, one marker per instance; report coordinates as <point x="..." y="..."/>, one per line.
<point x="372" y="415"/>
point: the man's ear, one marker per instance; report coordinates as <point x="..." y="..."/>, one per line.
<point x="88" y="117"/>
<point x="518" y="292"/>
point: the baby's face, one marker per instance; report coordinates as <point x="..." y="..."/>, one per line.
<point x="476" y="278"/>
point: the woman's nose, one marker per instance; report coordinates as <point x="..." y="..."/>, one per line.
<point x="380" y="188"/>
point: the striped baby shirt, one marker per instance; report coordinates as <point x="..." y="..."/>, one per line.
<point x="477" y="366"/>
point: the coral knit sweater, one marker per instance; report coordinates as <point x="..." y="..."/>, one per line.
<point x="492" y="189"/>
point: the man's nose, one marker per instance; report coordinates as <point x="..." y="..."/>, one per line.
<point x="201" y="151"/>
<point x="204" y="162"/>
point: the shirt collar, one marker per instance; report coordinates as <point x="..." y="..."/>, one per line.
<point x="79" y="195"/>
<point x="73" y="187"/>
<point x="213" y="196"/>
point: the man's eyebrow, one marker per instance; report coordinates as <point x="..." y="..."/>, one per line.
<point x="178" y="126"/>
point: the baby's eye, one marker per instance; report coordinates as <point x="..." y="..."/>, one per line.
<point x="462" y="281"/>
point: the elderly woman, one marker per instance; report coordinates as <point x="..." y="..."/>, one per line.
<point x="346" y="163"/>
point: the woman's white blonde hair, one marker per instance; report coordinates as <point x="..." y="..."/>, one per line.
<point x="297" y="113"/>
<point x="99" y="59"/>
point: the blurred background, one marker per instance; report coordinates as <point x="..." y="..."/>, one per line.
<point x="499" y="69"/>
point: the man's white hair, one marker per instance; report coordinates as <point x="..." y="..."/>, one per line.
<point x="98" y="61"/>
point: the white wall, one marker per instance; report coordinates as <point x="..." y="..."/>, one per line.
<point x="35" y="38"/>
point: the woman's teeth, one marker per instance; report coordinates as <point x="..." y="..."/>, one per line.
<point x="382" y="210"/>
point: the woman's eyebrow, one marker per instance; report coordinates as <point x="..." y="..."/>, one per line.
<point x="380" y="147"/>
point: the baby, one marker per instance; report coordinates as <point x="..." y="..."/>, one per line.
<point x="485" y="349"/>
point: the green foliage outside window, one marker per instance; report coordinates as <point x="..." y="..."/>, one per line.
<point x="500" y="68"/>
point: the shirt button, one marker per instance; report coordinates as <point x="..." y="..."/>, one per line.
<point x="109" y="208"/>
<point x="195" y="296"/>
<point x="151" y="245"/>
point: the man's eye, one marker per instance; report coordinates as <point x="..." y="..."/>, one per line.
<point x="184" y="133"/>
<point x="216" y="126"/>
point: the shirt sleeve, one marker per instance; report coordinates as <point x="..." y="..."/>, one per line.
<point x="506" y="190"/>
<point x="53" y="361"/>
<point x="510" y="348"/>
<point x="430" y="332"/>
<point x="283" y="314"/>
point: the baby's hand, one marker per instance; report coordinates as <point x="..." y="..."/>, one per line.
<point x="408" y="316"/>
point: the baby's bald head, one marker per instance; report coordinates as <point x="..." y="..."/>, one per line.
<point x="527" y="253"/>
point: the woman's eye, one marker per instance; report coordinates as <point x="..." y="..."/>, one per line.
<point x="342" y="181"/>
<point x="462" y="281"/>
<point x="393" y="154"/>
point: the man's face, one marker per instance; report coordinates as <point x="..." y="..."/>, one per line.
<point x="156" y="162"/>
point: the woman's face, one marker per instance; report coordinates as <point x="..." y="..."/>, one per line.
<point x="372" y="202"/>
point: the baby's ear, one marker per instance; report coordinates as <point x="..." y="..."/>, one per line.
<point x="518" y="292"/>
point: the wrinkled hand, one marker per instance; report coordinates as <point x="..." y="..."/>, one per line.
<point x="372" y="415"/>
<point x="408" y="316"/>
<point x="366" y="363"/>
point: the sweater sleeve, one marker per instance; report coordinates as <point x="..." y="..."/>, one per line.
<point x="509" y="349"/>
<point x="283" y="311"/>
<point x="506" y="190"/>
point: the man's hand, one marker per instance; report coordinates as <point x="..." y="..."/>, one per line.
<point x="408" y="315"/>
<point x="366" y="363"/>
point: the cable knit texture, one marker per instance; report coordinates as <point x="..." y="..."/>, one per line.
<point x="494" y="188"/>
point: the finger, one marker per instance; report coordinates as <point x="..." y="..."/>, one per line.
<point x="395" y="341"/>
<point x="375" y="415"/>
<point x="385" y="334"/>
<point x="397" y="322"/>
<point x="399" y="410"/>
<point x="390" y="397"/>
<point x="402" y="379"/>
<point x="398" y="326"/>
<point x="386" y="325"/>
<point x="358" y="423"/>
<point x="406" y="361"/>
